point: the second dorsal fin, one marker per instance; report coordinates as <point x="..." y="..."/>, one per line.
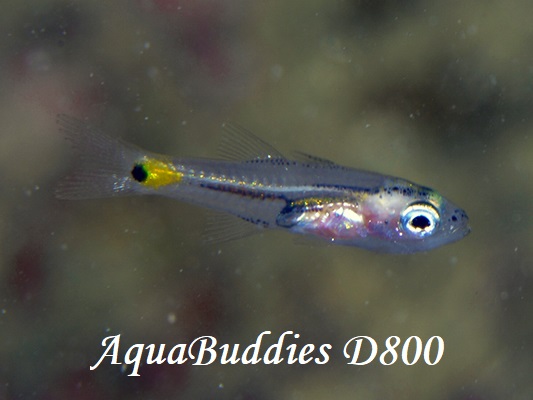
<point x="239" y="144"/>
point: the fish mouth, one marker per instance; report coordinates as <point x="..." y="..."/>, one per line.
<point x="466" y="225"/>
<point x="461" y="225"/>
<point x="464" y="229"/>
<point x="467" y="230"/>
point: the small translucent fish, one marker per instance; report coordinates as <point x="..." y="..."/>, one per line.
<point x="263" y="189"/>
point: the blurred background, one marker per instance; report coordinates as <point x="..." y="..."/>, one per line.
<point x="436" y="92"/>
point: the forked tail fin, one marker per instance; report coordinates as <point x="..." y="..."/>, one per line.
<point x="103" y="166"/>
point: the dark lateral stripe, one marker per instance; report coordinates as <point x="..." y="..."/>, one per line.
<point x="252" y="194"/>
<point x="346" y="187"/>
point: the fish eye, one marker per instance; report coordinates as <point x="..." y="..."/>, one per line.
<point x="421" y="219"/>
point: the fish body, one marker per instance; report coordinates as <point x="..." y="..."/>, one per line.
<point x="257" y="184"/>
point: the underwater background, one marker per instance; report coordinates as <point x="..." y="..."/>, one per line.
<point x="439" y="93"/>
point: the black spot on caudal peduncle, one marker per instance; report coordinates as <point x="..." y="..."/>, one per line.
<point x="139" y="173"/>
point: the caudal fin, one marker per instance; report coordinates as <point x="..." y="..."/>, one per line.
<point x="103" y="164"/>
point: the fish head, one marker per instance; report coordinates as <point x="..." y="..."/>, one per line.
<point x="406" y="218"/>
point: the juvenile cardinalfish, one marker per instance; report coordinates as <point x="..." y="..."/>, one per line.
<point x="258" y="185"/>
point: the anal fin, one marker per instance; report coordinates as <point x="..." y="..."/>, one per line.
<point x="222" y="227"/>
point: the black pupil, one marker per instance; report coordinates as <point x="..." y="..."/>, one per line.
<point x="420" y="222"/>
<point x="139" y="173"/>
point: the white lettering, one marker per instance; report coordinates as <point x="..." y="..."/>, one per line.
<point x="136" y="360"/>
<point x="391" y="349"/>
<point x="112" y="346"/>
<point x="357" y="350"/>
<point x="277" y="348"/>
<point x="225" y="350"/>
<point x="427" y="350"/>
<point x="255" y="347"/>
<point x="159" y="359"/>
<point x="203" y="348"/>
<point x="405" y="350"/>
<point x="306" y="350"/>
<point x="181" y="355"/>
<point x="292" y="350"/>
<point x="324" y="353"/>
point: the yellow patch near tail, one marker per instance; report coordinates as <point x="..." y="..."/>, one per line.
<point x="158" y="173"/>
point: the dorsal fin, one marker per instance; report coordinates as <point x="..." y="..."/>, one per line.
<point x="308" y="158"/>
<point x="239" y="144"/>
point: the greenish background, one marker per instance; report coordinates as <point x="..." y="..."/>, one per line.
<point x="436" y="92"/>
